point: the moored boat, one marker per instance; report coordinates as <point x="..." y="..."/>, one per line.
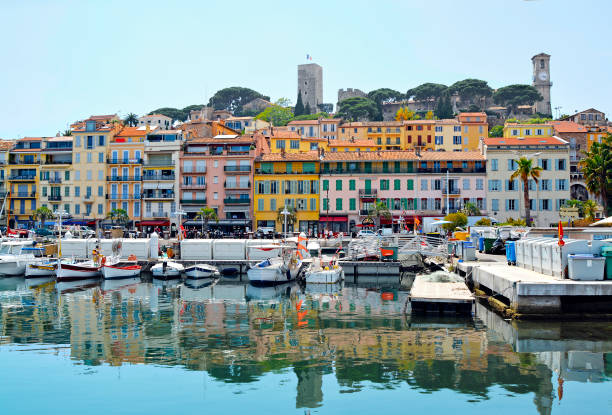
<point x="14" y="256"/>
<point x="77" y="271"/>
<point x="41" y="269"/>
<point x="200" y="271"/>
<point x="324" y="271"/>
<point x="275" y="270"/>
<point x="114" y="268"/>
<point x="167" y="270"/>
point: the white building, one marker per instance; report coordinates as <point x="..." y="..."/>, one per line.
<point x="505" y="197"/>
<point x="155" y="120"/>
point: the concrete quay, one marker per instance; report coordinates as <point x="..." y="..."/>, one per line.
<point x="529" y="294"/>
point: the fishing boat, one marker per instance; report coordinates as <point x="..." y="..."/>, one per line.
<point x="113" y="267"/>
<point x="324" y="271"/>
<point x="167" y="270"/>
<point x="200" y="271"/>
<point x="14" y="256"/>
<point x="74" y="271"/>
<point x="41" y="269"/>
<point x="275" y="270"/>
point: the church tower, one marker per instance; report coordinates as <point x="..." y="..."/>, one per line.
<point x="541" y="82"/>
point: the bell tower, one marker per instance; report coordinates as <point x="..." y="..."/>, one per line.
<point x="541" y="82"/>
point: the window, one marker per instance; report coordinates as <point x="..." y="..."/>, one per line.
<point x="379" y="141"/>
<point x="436" y="184"/>
<point x="66" y="175"/>
<point x="325" y="185"/>
<point x="511" y="204"/>
<point x="67" y="191"/>
<point x="396" y="184"/>
<point x="100" y="140"/>
<point x="515" y="132"/>
<point x="100" y="157"/>
<point x="352" y="184"/>
<point x="495" y="204"/>
<point x="216" y="196"/>
<point x="527" y="132"/>
<point x="260" y="205"/>
<point x="295" y="144"/>
<point x="560" y="164"/>
<point x="539" y="131"/>
<point x="338" y="184"/>
<point x="545" y="184"/>
<point x="352" y="204"/>
<point x="273" y="204"/>
<point x="339" y="203"/>
<point x="410" y="184"/>
<point x="456" y="139"/>
<point x="215" y="179"/>
<point x="466" y="184"/>
<point x="136" y="209"/>
<point x="101" y="175"/>
<point x="545" y="204"/>
<point x="67" y="208"/>
<point x="438" y="128"/>
<point x="325" y="204"/>
<point x="384" y="184"/>
<point x="439" y="140"/>
<point x="89" y="175"/>
<point x="77" y="141"/>
<point x="77" y="157"/>
<point x="313" y="204"/>
<point x="77" y="191"/>
<point x="512" y="165"/>
<point x="280" y="144"/>
<point x="511" y="185"/>
<point x="479" y="184"/>
<point x="493" y="164"/>
<point x="457" y="128"/>
<point x="561" y="184"/>
<point x="545" y="164"/>
<point x="100" y="191"/>
<point x="494" y="185"/>
<point x="423" y="184"/>
<point x="77" y="209"/>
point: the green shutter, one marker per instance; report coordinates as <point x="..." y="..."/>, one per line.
<point x="338" y="184"/>
<point x="308" y="167"/>
<point x="352" y="204"/>
<point x="339" y="203"/>
<point x="396" y="184"/>
<point x="289" y="167"/>
<point x="410" y="184"/>
<point x="368" y="185"/>
<point x="409" y="167"/>
<point x="325" y="204"/>
<point x="352" y="184"/>
<point x="325" y="184"/>
<point x="397" y="167"/>
<point x="267" y="167"/>
<point x="385" y="167"/>
<point x="368" y="167"/>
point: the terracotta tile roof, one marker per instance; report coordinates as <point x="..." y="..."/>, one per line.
<point x="102" y="117"/>
<point x="239" y="118"/>
<point x="568" y="127"/>
<point x="417" y="122"/>
<point x="307" y="156"/>
<point x="353" y="143"/>
<point x="376" y="124"/>
<point x="370" y="155"/>
<point x="6" y="144"/>
<point x="30" y="139"/>
<point x="473" y="114"/>
<point x="447" y="121"/>
<point x="284" y="134"/>
<point x="60" y="138"/>
<point x="304" y="122"/>
<point x="132" y="132"/>
<point x="155" y="115"/>
<point x="527" y="141"/>
<point x="208" y="140"/>
<point x="451" y="156"/>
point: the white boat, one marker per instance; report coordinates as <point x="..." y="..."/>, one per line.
<point x="167" y="270"/>
<point x="74" y="271"/>
<point x="115" y="268"/>
<point x="201" y="271"/>
<point x="14" y="256"/>
<point x="324" y="271"/>
<point x="41" y="269"/>
<point x="275" y="270"/>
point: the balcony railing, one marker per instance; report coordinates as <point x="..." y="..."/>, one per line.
<point x="55" y="180"/>
<point x="54" y="162"/>
<point x="123" y="178"/>
<point x="124" y="196"/>
<point x="193" y="201"/>
<point x="368" y="193"/>
<point x="259" y="171"/>
<point x="88" y="198"/>
<point x="193" y="186"/>
<point x="158" y="177"/>
<point x="168" y="163"/>
<point x="196" y="171"/>
<point x="450" y="191"/>
<point x="364" y="212"/>
<point x="158" y="214"/>
<point x="157" y="196"/>
<point x="26" y="177"/>
<point x="24" y="194"/>
<point x="453" y="170"/>
<point x="227" y="185"/>
<point x="17" y="162"/>
<point x="391" y="170"/>
<point x="123" y="161"/>
<point x="55" y="197"/>
<point x="236" y="169"/>
<point x="237" y="201"/>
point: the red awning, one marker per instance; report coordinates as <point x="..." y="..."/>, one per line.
<point x="153" y="223"/>
<point x="333" y="219"/>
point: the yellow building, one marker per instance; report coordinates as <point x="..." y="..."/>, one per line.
<point x="448" y="135"/>
<point x="596" y="134"/>
<point x="474" y="129"/>
<point x="124" y="171"/>
<point x="513" y="129"/>
<point x="291" y="179"/>
<point x="56" y="188"/>
<point x="385" y="135"/>
<point x="22" y="181"/>
<point x="90" y="148"/>
<point x="292" y="142"/>
<point x="341" y="146"/>
<point x="5" y="146"/>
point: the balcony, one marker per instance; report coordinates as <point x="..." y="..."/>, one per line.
<point x="237" y="186"/>
<point x="451" y="192"/>
<point x="123" y="178"/>
<point x="162" y="196"/>
<point x="259" y="171"/>
<point x="237" y="169"/>
<point x="453" y="170"/>
<point x="20" y="162"/>
<point x="88" y="198"/>
<point x="237" y="201"/>
<point x="23" y="177"/>
<point x="364" y="212"/>
<point x="196" y="171"/>
<point x="168" y="163"/>
<point x="193" y="201"/>
<point x="193" y="186"/>
<point x="57" y="162"/>
<point x="24" y="194"/>
<point x="55" y="198"/>
<point x="123" y="161"/>
<point x="159" y="214"/>
<point x="123" y="196"/>
<point x="55" y="180"/>
<point x="158" y="177"/>
<point x="368" y="193"/>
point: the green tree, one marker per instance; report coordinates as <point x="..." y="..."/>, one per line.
<point x="471" y="89"/>
<point x="378" y="210"/>
<point x="427" y="91"/>
<point x="119" y="216"/>
<point x="310" y="116"/>
<point x="470" y="209"/>
<point x="483" y="222"/>
<point x="131" y="119"/>
<point x="496" y="131"/>
<point x="512" y="96"/>
<point x="573" y="203"/>
<point x="234" y="98"/>
<point x="444" y="108"/>
<point x="206" y="214"/>
<point x="276" y="115"/>
<point x="457" y="220"/>
<point x="597" y="169"/>
<point x="589" y="209"/>
<point x="42" y="213"/>
<point x="384" y="95"/>
<point x="307" y="109"/>
<point x="358" y="109"/>
<point x="291" y="217"/>
<point x="174" y="113"/>
<point x="189" y="108"/>
<point x="299" y="105"/>
<point x="283" y="102"/>
<point x="525" y="170"/>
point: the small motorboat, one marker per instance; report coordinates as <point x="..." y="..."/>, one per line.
<point x="41" y="269"/>
<point x="15" y="255"/>
<point x="114" y="268"/>
<point x="167" y="270"/>
<point x="74" y="271"/>
<point x="199" y="271"/>
<point x="275" y="270"/>
<point x="324" y="270"/>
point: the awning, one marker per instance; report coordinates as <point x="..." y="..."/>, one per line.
<point x="333" y="219"/>
<point x="197" y="222"/>
<point x="74" y="222"/>
<point x="153" y="223"/>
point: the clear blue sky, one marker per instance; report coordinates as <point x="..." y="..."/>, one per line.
<point x="65" y="60"/>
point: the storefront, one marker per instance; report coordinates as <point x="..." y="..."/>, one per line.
<point x="334" y="223"/>
<point x="227" y="226"/>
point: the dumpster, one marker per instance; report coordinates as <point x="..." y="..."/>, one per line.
<point x="488" y="244"/>
<point x="511" y="252"/>
<point x="468" y="251"/>
<point x="585" y="267"/>
<point x="606" y="252"/>
<point x="481" y="244"/>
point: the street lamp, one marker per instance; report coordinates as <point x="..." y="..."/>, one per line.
<point x="285" y="213"/>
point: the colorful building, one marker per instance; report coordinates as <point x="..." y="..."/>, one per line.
<point x="576" y="135"/>
<point x="22" y="181"/>
<point x="475" y="128"/>
<point x="245" y="125"/>
<point x="56" y="185"/>
<point x="326" y="128"/>
<point x="124" y="170"/>
<point x="287" y="179"/>
<point x="218" y="173"/>
<point x="514" y="129"/>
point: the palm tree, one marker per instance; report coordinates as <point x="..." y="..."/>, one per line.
<point x="42" y="213"/>
<point x="207" y="214"/>
<point x="291" y="217"/>
<point x="379" y="210"/>
<point x="131" y="119"/>
<point x="597" y="170"/>
<point x="589" y="208"/>
<point x="525" y="171"/>
<point x="470" y="209"/>
<point x="67" y="133"/>
<point x="118" y="215"/>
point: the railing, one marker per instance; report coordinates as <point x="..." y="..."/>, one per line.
<point x="227" y="185"/>
<point x="123" y="161"/>
<point x="55" y="180"/>
<point x="364" y="212"/>
<point x="53" y="162"/>
<point x="192" y="171"/>
<point x="55" y="197"/>
<point x="125" y="196"/>
<point x="193" y="186"/>
<point x="259" y="171"/>
<point x="88" y="198"/>
<point x="158" y="177"/>
<point x="453" y="170"/>
<point x="159" y="214"/>
<point x="23" y="194"/>
<point x="157" y="196"/>
<point x="123" y="178"/>
<point x="168" y="163"/>
<point x="237" y="169"/>
<point x="17" y="162"/>
<point x="368" y="193"/>
<point x="237" y="201"/>
<point x="23" y="177"/>
<point x="450" y="191"/>
<point x="193" y="201"/>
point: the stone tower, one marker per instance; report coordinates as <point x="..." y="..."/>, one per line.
<point x="541" y="82"/>
<point x="310" y="85"/>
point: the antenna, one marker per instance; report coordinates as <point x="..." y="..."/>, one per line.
<point x="558" y="109"/>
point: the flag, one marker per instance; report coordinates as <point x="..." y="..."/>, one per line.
<point x="560" y="230"/>
<point x="308" y="57"/>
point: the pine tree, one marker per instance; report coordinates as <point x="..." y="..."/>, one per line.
<point x="444" y="109"/>
<point x="307" y="110"/>
<point x="299" y="106"/>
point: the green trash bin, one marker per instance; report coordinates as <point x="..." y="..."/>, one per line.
<point x="488" y="244"/>
<point x="606" y="252"/>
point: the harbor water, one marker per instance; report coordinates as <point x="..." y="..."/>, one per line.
<point x="169" y="347"/>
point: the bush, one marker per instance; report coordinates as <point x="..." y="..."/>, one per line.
<point x="514" y="222"/>
<point x="458" y="220"/>
<point x="483" y="222"/>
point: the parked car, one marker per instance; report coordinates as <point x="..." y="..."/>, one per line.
<point x="365" y="232"/>
<point x="385" y="232"/>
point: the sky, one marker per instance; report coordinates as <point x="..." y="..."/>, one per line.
<point x="62" y="61"/>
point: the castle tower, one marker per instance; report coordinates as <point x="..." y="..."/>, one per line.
<point x="541" y="82"/>
<point x="310" y="85"/>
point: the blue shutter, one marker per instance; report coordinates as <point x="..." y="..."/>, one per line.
<point x="506" y="201"/>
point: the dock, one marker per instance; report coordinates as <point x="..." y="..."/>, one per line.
<point x="431" y="296"/>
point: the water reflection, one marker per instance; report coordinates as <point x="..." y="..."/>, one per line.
<point x="358" y="335"/>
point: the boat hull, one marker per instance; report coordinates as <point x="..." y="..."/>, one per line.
<point x="12" y="268"/>
<point x="331" y="276"/>
<point x="75" y="272"/>
<point x="115" y="272"/>
<point x="200" y="272"/>
<point x="172" y="271"/>
<point x="274" y="273"/>
<point x="40" y="270"/>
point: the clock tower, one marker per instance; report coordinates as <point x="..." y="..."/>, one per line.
<point x="541" y="82"/>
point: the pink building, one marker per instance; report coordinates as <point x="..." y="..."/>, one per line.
<point x="218" y="173"/>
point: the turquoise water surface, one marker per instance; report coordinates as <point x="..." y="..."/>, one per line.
<point x="164" y="348"/>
